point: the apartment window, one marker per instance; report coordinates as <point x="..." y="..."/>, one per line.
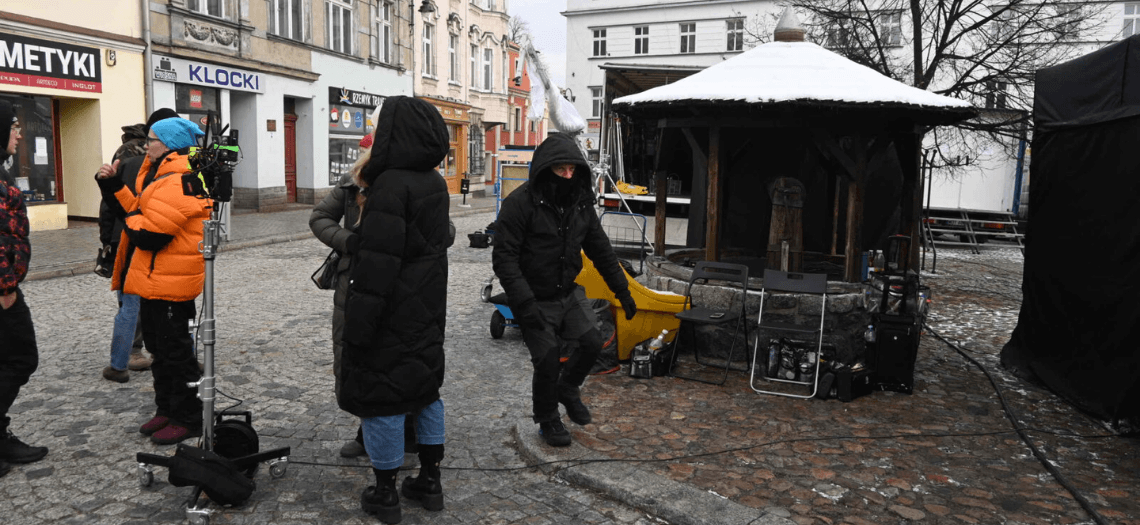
<point x="890" y="28"/>
<point x="207" y="7"/>
<point x="599" y="42"/>
<point x="1131" y="19"/>
<point x="488" y="69"/>
<point x="1069" y="21"/>
<point x="285" y="19"/>
<point x="595" y="102"/>
<point x="518" y="119"/>
<point x="735" y="30"/>
<point x="338" y="14"/>
<point x="453" y="54"/>
<point x="689" y="38"/>
<point x="429" y="55"/>
<point x="837" y="36"/>
<point x="641" y="40"/>
<point x="382" y="33"/>
<point x="474" y="67"/>
<point x="996" y="94"/>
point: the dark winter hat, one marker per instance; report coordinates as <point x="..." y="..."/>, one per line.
<point x="159" y="114"/>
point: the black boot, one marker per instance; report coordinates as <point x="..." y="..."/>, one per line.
<point x="382" y="500"/>
<point x="12" y="450"/>
<point x="426" y="487"/>
<point x="576" y="410"/>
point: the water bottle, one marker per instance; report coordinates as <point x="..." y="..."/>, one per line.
<point x="658" y="342"/>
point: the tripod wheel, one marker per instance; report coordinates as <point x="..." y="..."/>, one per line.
<point x="146" y="476"/>
<point x="278" y="467"/>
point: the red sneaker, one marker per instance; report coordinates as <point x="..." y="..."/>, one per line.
<point x="154" y="425"/>
<point x="174" y="433"/>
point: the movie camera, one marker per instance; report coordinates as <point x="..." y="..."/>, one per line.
<point x="212" y="164"/>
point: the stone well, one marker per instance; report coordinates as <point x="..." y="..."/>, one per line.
<point x="844" y="325"/>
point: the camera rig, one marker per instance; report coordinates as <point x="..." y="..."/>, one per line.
<point x="211" y="174"/>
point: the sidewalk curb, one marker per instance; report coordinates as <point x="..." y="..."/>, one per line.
<point x="676" y="503"/>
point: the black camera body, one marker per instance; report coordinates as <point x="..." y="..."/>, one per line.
<point x="212" y="165"/>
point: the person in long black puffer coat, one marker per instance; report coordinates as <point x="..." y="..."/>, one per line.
<point x="396" y="308"/>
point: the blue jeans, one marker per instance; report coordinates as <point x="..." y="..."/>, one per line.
<point x="126" y="321"/>
<point x="384" y="436"/>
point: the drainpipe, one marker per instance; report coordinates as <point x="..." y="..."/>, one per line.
<point x="148" y="67"/>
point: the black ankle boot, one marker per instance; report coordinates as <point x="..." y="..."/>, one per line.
<point x="382" y="500"/>
<point x="426" y="487"/>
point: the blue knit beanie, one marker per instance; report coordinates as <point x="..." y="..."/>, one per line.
<point x="177" y="133"/>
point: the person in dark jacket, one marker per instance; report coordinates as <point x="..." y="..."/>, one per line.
<point x="126" y="339"/>
<point x="334" y="222"/>
<point x="19" y="356"/>
<point x="544" y="226"/>
<point x="396" y="309"/>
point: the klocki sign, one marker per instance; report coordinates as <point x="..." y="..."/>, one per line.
<point x="170" y="69"/>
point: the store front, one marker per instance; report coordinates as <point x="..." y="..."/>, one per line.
<point x="70" y="100"/>
<point x="454" y="166"/>
<point x="349" y="120"/>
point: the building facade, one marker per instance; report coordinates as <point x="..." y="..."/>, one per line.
<point x="75" y="76"/>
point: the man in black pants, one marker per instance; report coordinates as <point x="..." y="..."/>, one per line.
<point x="542" y="230"/>
<point x="19" y="357"/>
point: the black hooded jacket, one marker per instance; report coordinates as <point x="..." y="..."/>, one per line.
<point x="396" y="307"/>
<point x="542" y="231"/>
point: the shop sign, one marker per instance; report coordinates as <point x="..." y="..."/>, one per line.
<point x="182" y="71"/>
<point x="33" y="62"/>
<point x="347" y="119"/>
<point x="358" y="99"/>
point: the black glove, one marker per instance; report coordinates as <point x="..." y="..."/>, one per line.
<point x="629" y="306"/>
<point x="105" y="261"/>
<point x="526" y="314"/>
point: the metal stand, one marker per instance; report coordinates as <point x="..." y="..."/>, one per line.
<point x="197" y="511"/>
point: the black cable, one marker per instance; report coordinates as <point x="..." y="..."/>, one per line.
<point x="1081" y="500"/>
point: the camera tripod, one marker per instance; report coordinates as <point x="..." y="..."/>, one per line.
<point x="233" y="440"/>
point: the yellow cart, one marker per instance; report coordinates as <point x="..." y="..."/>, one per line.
<point x="655" y="310"/>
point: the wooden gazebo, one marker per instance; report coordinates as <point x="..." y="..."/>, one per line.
<point x="794" y="109"/>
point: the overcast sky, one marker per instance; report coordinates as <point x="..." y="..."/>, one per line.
<point x="548" y="28"/>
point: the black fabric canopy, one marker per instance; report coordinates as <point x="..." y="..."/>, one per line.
<point x="1079" y="326"/>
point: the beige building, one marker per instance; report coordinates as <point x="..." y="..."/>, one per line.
<point x="75" y="76"/>
<point x="462" y="66"/>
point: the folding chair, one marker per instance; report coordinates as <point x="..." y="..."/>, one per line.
<point x="797" y="283"/>
<point x="705" y="315"/>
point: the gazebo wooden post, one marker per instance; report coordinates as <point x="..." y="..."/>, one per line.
<point x="853" y="252"/>
<point x="712" y="233"/>
<point x="659" y="215"/>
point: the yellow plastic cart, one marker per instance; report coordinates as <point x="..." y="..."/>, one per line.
<point x="655" y="310"/>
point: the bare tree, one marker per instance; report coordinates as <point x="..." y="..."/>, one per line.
<point x="982" y="51"/>
<point x="517" y="29"/>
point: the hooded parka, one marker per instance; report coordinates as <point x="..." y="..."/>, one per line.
<point x="396" y="307"/>
<point x="540" y="235"/>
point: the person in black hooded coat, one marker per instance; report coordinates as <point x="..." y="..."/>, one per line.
<point x="396" y="308"/>
<point x="543" y="228"/>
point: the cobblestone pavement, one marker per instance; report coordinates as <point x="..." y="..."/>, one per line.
<point x="273" y="352"/>
<point x="945" y="454"/>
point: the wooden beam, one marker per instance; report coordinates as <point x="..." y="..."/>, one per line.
<point x="712" y="235"/>
<point x="662" y="194"/>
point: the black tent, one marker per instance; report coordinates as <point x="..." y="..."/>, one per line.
<point x="1079" y="326"/>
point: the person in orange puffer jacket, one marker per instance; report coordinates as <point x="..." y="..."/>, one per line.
<point x="159" y="261"/>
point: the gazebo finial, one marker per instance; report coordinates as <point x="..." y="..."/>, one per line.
<point x="789" y="28"/>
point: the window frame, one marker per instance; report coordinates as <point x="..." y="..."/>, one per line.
<point x="475" y="67"/>
<point x="688" y="32"/>
<point x="202" y="7"/>
<point x="890" y="28"/>
<point x="599" y="42"/>
<point x="734" y="34"/>
<point x="1131" y="24"/>
<point x="381" y="41"/>
<point x="596" y="101"/>
<point x="277" y="24"/>
<point x="641" y="40"/>
<point x="336" y="40"/>
<point x="488" y="69"/>
<point x="453" y="54"/>
<point x="428" y="44"/>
